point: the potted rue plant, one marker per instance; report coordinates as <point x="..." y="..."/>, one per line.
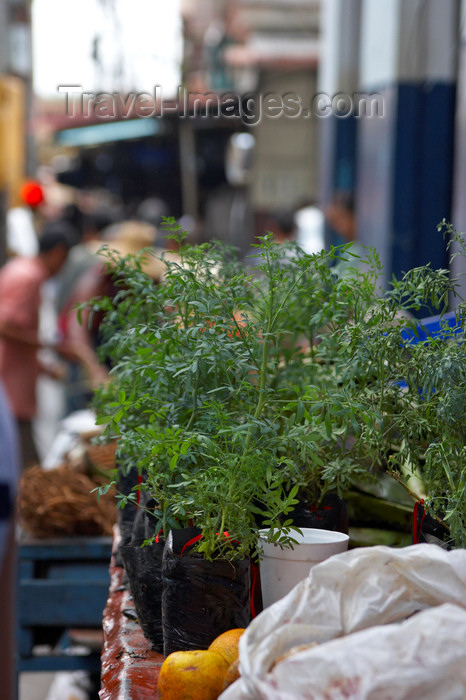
<point x="415" y="380"/>
<point x="184" y="385"/>
<point x="232" y="394"/>
<point x="228" y="395"/>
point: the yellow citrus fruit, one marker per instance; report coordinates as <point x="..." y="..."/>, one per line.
<point x="192" y="675"/>
<point x="231" y="675"/>
<point x="226" y="644"/>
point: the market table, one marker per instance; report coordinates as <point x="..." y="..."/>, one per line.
<point x="130" y="668"/>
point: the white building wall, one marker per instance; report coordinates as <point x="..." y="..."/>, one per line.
<point x="285" y="169"/>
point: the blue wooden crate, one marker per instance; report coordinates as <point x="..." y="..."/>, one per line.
<point x="62" y="584"/>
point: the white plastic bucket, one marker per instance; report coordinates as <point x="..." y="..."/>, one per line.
<point x="282" y="569"/>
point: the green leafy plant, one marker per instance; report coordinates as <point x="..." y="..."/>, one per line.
<point x="416" y="382"/>
<point x="227" y="392"/>
<point x="236" y="393"/>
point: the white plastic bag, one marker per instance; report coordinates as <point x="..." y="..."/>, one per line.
<point x="349" y="592"/>
<point x="423" y="657"/>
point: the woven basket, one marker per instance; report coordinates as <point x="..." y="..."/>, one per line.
<point x="101" y="456"/>
<point x="60" y="502"/>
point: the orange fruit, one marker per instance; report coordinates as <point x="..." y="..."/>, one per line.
<point x="226" y="644"/>
<point x="192" y="675"/>
<point x="231" y="675"/>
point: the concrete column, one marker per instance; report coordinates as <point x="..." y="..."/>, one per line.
<point x="408" y="56"/>
<point x="458" y="268"/>
<point x="340" y="31"/>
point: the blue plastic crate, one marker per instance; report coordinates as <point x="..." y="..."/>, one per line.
<point x="431" y="326"/>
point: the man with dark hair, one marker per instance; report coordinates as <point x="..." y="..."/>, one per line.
<point x="84" y="254"/>
<point x="21" y="280"/>
<point x="283" y="225"/>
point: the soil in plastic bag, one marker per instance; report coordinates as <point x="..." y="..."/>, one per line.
<point x="330" y="514"/>
<point x="201" y="599"/>
<point x="143" y="566"/>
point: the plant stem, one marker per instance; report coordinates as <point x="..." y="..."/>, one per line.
<point x="263" y="367"/>
<point x="416" y="498"/>
<point x="191" y="417"/>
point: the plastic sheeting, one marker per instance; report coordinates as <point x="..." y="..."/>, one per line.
<point x="346" y="599"/>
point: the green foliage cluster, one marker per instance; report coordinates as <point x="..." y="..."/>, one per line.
<point x="235" y="391"/>
<point x="416" y="382"/>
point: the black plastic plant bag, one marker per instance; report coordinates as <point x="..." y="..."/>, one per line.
<point x="330" y="514"/>
<point x="138" y="531"/>
<point x="428" y="529"/>
<point x="201" y="599"/>
<point x="151" y="522"/>
<point x="143" y="566"/>
<point x="126" y="515"/>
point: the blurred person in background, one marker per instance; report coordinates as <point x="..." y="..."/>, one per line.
<point x="9" y="477"/>
<point x="125" y="238"/>
<point x="21" y="280"/>
<point x="21" y="221"/>
<point x="310" y="225"/>
<point x="83" y="255"/>
<point x="152" y="211"/>
<point x="340" y="215"/>
<point x="282" y="225"/>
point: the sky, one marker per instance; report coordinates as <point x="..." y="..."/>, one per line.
<point x="139" y="45"/>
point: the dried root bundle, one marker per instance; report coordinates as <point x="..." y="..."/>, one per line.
<point x="60" y="502"/>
